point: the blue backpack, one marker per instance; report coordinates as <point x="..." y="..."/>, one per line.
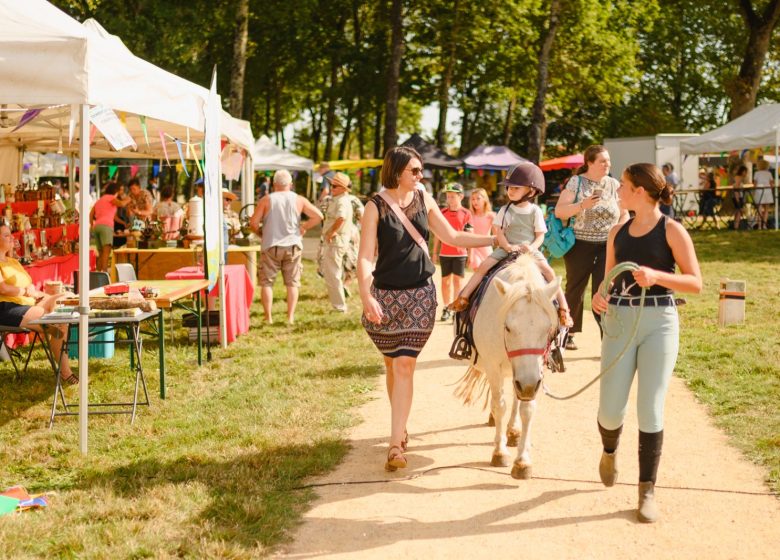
<point x="559" y="239"/>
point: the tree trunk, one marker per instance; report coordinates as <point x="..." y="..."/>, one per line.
<point x="238" y="66"/>
<point x="446" y="80"/>
<point x="278" y="116"/>
<point x="347" y="129"/>
<point x="361" y="129"/>
<point x="510" y="115"/>
<point x="743" y="89"/>
<point x="330" y="116"/>
<point x="394" y="74"/>
<point x="378" y="131"/>
<point x="268" y="111"/>
<point x="538" y="129"/>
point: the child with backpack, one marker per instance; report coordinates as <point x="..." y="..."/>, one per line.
<point x="519" y="227"/>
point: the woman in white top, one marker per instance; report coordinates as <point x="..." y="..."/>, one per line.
<point x="763" y="196"/>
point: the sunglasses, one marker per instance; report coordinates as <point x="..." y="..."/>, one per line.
<point x="415" y="170"/>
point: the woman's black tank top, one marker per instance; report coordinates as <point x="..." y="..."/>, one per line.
<point x="401" y="263"/>
<point x="651" y="250"/>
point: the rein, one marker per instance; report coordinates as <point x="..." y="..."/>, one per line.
<point x="620" y="268"/>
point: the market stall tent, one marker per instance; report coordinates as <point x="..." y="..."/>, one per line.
<point x="492" y="158"/>
<point x="55" y="69"/>
<point x="432" y="156"/>
<point x="757" y="129"/>
<point x="565" y="162"/>
<point x="267" y="156"/>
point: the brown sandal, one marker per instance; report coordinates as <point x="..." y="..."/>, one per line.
<point x="564" y="317"/>
<point x="459" y="304"/>
<point x="395" y="461"/>
<point x="405" y="442"/>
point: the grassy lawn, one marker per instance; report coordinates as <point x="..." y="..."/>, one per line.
<point x="206" y="473"/>
<point x="209" y="471"/>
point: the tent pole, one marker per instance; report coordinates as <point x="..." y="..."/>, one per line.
<point x="777" y="141"/>
<point x="84" y="284"/>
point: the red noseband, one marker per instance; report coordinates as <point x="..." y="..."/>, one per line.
<point x="527" y="352"/>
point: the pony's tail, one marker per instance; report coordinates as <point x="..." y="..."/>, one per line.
<point x="472" y="386"/>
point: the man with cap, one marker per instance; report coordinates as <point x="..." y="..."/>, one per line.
<point x="452" y="259"/>
<point x="336" y="236"/>
<point x="520" y="228"/>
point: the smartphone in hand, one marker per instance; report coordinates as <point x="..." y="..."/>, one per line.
<point x="598" y="191"/>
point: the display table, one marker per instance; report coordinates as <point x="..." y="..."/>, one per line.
<point x="239" y="294"/>
<point x="152" y="264"/>
<point x="170" y="293"/>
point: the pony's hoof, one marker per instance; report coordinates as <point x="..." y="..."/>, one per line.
<point x="521" y="471"/>
<point x="491" y="420"/>
<point x="499" y="460"/>
<point x="512" y="438"/>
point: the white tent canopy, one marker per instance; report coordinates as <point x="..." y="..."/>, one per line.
<point x="756" y="129"/>
<point x="50" y="62"/>
<point x="268" y="156"/>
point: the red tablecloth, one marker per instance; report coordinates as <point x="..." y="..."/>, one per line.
<point x="55" y="268"/>
<point x="53" y="234"/>
<point x="239" y="294"/>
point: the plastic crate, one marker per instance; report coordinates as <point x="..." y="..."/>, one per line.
<point x="102" y="347"/>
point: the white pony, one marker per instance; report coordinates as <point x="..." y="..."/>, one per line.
<point x="512" y="330"/>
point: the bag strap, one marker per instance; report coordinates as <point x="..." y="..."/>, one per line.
<point x="410" y="229"/>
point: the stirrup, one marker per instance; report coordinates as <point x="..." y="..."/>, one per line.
<point x="461" y="348"/>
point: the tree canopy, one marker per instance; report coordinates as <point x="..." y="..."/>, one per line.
<point x="612" y="67"/>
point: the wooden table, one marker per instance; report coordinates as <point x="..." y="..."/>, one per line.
<point x="171" y="292"/>
<point x="151" y="264"/>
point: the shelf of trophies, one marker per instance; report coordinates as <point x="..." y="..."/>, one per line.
<point x="41" y="225"/>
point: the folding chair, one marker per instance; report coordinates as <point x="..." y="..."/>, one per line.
<point x="125" y="272"/>
<point x="15" y="354"/>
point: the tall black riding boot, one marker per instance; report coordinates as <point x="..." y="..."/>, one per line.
<point x="650" y="446"/>
<point x="608" y="465"/>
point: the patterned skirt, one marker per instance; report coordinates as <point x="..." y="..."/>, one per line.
<point x="409" y="316"/>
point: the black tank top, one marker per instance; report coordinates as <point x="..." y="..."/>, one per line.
<point x="401" y="263"/>
<point x="651" y="250"/>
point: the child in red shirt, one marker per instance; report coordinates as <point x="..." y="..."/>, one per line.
<point x="452" y="259"/>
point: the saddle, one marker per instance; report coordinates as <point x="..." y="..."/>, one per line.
<point x="463" y="345"/>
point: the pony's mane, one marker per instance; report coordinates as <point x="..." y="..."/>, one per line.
<point x="524" y="278"/>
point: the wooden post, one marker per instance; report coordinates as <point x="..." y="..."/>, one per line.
<point x="731" y="309"/>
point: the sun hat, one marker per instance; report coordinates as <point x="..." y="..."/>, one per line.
<point x="229" y="195"/>
<point x="341" y="180"/>
<point x="454" y="187"/>
<point x="525" y="174"/>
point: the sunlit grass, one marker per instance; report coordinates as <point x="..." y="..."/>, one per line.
<point x="209" y="471"/>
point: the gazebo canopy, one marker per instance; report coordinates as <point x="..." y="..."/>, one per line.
<point x="566" y="162"/>
<point x="757" y="129"/>
<point x="270" y="157"/>
<point x="432" y="156"/>
<point x="346" y="164"/>
<point x="492" y="158"/>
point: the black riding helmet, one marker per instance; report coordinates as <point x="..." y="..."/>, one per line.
<point x="525" y="174"/>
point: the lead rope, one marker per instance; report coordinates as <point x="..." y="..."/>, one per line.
<point x="627" y="266"/>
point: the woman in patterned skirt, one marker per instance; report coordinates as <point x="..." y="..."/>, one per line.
<point x="398" y="295"/>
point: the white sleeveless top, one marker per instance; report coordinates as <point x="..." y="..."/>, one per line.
<point x="282" y="224"/>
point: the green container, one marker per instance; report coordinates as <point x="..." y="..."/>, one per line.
<point x="100" y="345"/>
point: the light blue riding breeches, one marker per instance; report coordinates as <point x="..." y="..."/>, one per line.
<point x="652" y="355"/>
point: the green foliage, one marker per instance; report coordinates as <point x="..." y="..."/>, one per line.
<point x="618" y="67"/>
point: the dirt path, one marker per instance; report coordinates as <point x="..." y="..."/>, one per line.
<point x="706" y="494"/>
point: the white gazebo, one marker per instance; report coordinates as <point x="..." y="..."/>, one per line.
<point x="757" y="129"/>
<point x="55" y="66"/>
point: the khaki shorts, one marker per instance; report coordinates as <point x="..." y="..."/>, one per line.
<point x="286" y="259"/>
<point x="104" y="236"/>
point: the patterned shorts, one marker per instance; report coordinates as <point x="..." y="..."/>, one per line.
<point x="409" y="316"/>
